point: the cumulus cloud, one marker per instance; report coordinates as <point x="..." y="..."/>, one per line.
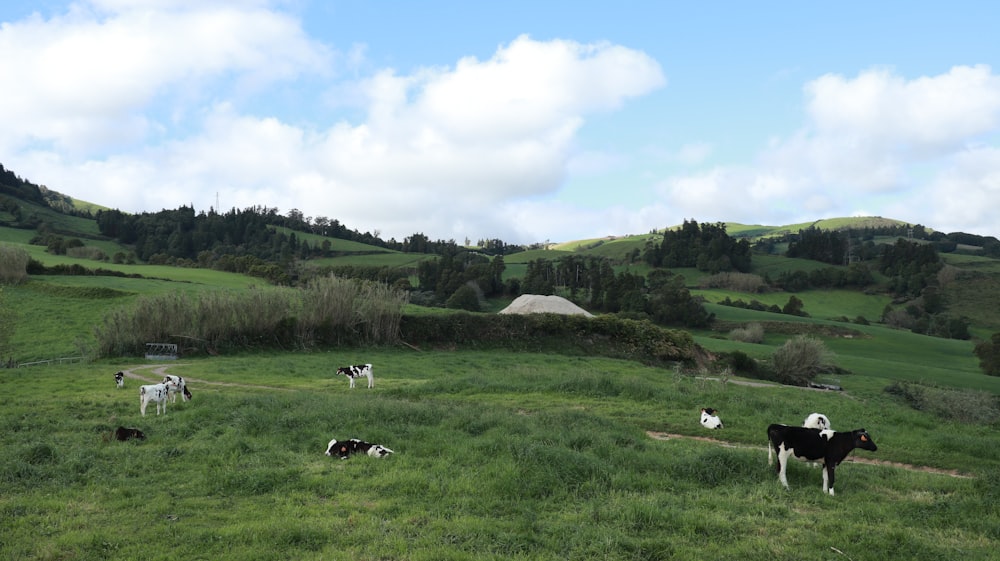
<point x="86" y="80"/>
<point x="909" y="143"/>
<point x="437" y="148"/>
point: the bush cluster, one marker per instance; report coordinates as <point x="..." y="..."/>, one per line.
<point x="964" y="406"/>
<point x="604" y="335"/>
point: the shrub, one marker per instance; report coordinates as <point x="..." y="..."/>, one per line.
<point x="13" y="264"/>
<point x="740" y="282"/>
<point x="466" y="298"/>
<point x="750" y="333"/>
<point x="800" y="360"/>
<point x="964" y="406"/>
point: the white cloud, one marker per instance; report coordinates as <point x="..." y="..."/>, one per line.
<point x="149" y="112"/>
<point x="914" y="145"/>
<point x="87" y="80"/>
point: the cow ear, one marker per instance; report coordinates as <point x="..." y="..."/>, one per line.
<point x="864" y="438"/>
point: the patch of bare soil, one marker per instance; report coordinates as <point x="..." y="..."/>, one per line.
<point x="926" y="469"/>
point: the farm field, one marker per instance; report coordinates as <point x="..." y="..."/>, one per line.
<point x="497" y="456"/>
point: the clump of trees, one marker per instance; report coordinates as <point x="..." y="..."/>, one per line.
<point x="706" y="247"/>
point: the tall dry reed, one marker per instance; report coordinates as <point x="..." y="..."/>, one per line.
<point x="326" y="311"/>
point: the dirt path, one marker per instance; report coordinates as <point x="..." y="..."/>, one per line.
<point x="160" y="370"/>
<point x="860" y="460"/>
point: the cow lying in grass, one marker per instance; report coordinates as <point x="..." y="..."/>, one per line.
<point x="826" y="446"/>
<point x="124" y="434"/>
<point x="358" y="371"/>
<point x="710" y="418"/>
<point x="344" y="449"/>
<point x="817" y="421"/>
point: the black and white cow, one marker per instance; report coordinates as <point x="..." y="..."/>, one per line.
<point x="176" y="384"/>
<point x="124" y="434"/>
<point x="120" y="379"/>
<point x="358" y="371"/>
<point x="817" y="421"/>
<point x="156" y="393"/>
<point x="710" y="418"/>
<point x="826" y="446"/>
<point x="343" y="449"/>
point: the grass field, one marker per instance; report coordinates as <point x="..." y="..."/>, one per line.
<point x="530" y="456"/>
<point x="499" y="455"/>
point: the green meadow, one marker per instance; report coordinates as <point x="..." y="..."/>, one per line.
<point x="497" y="454"/>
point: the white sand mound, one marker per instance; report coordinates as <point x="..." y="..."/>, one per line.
<point x="538" y="304"/>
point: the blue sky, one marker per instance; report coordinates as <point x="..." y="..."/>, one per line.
<point x="524" y="121"/>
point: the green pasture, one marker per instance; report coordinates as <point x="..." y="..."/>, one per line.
<point x="818" y="304"/>
<point x="497" y="456"/>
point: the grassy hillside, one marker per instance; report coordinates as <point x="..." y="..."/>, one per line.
<point x="498" y="455"/>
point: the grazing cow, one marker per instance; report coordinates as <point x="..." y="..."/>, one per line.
<point x="710" y="419"/>
<point x="124" y="434"/>
<point x="358" y="371"/>
<point x="826" y="446"/>
<point x="344" y="449"/>
<point x="120" y="379"/>
<point x="176" y="384"/>
<point x="156" y="393"/>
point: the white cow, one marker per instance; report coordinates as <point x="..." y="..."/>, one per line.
<point x="156" y="393"/>
<point x="710" y="418"/>
<point x="176" y="385"/>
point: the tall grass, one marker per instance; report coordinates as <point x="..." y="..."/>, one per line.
<point x="327" y="311"/>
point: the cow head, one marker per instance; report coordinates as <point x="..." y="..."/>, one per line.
<point x="863" y="440"/>
<point x="340" y="449"/>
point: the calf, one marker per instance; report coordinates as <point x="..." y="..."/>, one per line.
<point x="124" y="434"/>
<point x="710" y="419"/>
<point x="156" y="393"/>
<point x="344" y="449"/>
<point x="120" y="379"/>
<point x="176" y="384"/>
<point x="358" y="371"/>
<point x="826" y="446"/>
<point x="817" y="421"/>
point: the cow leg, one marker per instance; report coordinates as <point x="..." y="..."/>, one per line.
<point x="828" y="479"/>
<point x="783" y="455"/>
<point x="371" y="381"/>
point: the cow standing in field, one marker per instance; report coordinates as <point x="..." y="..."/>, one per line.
<point x="120" y="379"/>
<point x="176" y="384"/>
<point x="826" y="446"/>
<point x="156" y="393"/>
<point x="358" y="371"/>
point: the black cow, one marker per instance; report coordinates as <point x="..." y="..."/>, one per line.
<point x="124" y="434"/>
